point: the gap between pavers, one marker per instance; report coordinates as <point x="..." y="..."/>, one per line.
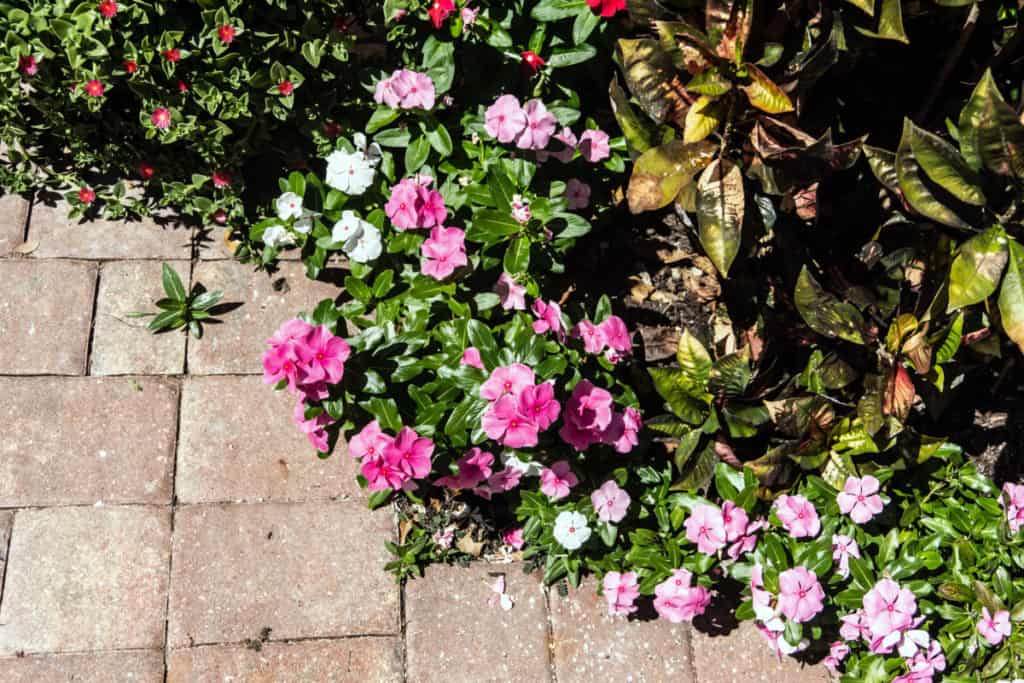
<point x="136" y="666"/>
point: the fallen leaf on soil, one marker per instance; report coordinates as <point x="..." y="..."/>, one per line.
<point x="642" y="287"/>
<point x="659" y="342"/>
<point x="469" y="546"/>
<point x="26" y="248"/>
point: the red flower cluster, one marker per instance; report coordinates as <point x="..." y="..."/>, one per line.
<point x="221" y="179"/>
<point x="86" y="195"/>
<point x="286" y="88"/>
<point x="532" y="62"/>
<point x="130" y="66"/>
<point x="28" y="65"/>
<point x="607" y="8"/>
<point x="172" y="55"/>
<point x="226" y="33"/>
<point x="108" y="8"/>
<point x="439" y="11"/>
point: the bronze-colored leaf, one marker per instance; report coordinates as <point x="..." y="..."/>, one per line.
<point x="720" y="206"/>
<point x="764" y="94"/>
<point x="688" y="46"/>
<point x="661" y="172"/>
<point x="899" y="393"/>
<point x="736" y="33"/>
<point x="652" y="80"/>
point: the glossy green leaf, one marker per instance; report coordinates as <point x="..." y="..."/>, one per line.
<point x="702" y="118"/>
<point x="720" y="206"/>
<point x="824" y="313"/>
<point x="913" y="187"/>
<point x="1011" y="296"/>
<point x="640" y="132"/>
<point x="172" y="284"/>
<point x="944" y="166"/>
<point x="883" y="164"/>
<point x="976" y="270"/>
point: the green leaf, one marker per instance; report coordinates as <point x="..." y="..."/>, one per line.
<point x="709" y="82"/>
<point x="172" y="284"/>
<point x="416" y="154"/>
<point x="945" y="166"/>
<point x="991" y="135"/>
<point x="764" y="94"/>
<point x="649" y="74"/>
<point x="166" y="320"/>
<point x="720" y="204"/>
<point x="730" y="375"/>
<point x="439" y="63"/>
<point x="883" y="165"/>
<point x="694" y="361"/>
<point x="976" y="270"/>
<point x="640" y="132"/>
<point x="702" y="118"/>
<point x="492" y="226"/>
<point x="553" y="10"/>
<point x="1011" y="296"/>
<point x="661" y="172"/>
<point x="867" y="6"/>
<point x="382" y="116"/>
<point x="517" y="257"/>
<point x="699" y="470"/>
<point x="914" y="190"/>
<point x="951" y="342"/>
<point x="584" y="25"/>
<point x="673" y="385"/>
<point x="564" y="56"/>
<point x="824" y="313"/>
<point x="439" y="138"/>
<point x="206" y="300"/>
<point x="386" y="411"/>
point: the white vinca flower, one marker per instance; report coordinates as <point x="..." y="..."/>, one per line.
<point x="571" y="530"/>
<point x="372" y="152"/>
<point x="359" y="239"/>
<point x="289" y="205"/>
<point x="277" y="236"/>
<point x="353" y="172"/>
<point x="305" y="223"/>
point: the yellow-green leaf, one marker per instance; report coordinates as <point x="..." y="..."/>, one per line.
<point x="826" y="314"/>
<point x="867" y="6"/>
<point x="640" y="132"/>
<point x="890" y="21"/>
<point x="702" y="119"/>
<point x="764" y="94"/>
<point x="883" y="165"/>
<point x="693" y="360"/>
<point x="720" y="204"/>
<point x="661" y="172"/>
<point x="1011" y="296"/>
<point x="914" y="190"/>
<point x="976" y="270"/>
<point x="946" y="168"/>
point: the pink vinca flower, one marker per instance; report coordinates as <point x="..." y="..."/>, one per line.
<point x="499" y="482"/>
<point x="508" y="379"/>
<point x="800" y="594"/>
<point x="412" y="452"/>
<point x="162" y="118"/>
<point x="677" y="601"/>
<point x="594" y="145"/>
<point x="511" y="293"/>
<point x="322" y="356"/>
<point x="540" y="126"/>
<point x="859" y="499"/>
<point x="837" y="652"/>
<point x="843" y="548"/>
<point x="994" y="627"/>
<point x="620" y="592"/>
<point x="854" y="626"/>
<point x="626" y="439"/>
<point x="798" y="516"/>
<point x="505" y="119"/>
<point x="386" y="472"/>
<point x="443" y="252"/>
<point x="549" y="318"/>
<point x="370" y="443"/>
<point x="929" y="661"/>
<point x="314" y="428"/>
<point x="568" y="151"/>
<point x="280" y="361"/>
<point x="706" y="528"/>
<point x="430" y="204"/>
<point x="474" y="467"/>
<point x="735" y="519"/>
<point x="1012" y="501"/>
<point x="610" y="502"/>
<point x="888" y="608"/>
<point x="471" y="357"/>
<point x="556" y="482"/>
<point x="514" y="538"/>
<point x="748" y="541"/>
<point x="578" y="194"/>
<point x="405" y="89"/>
<point x="402" y="206"/>
<point x="592" y="336"/>
<point x="616" y="334"/>
<point x="538" y="403"/>
<point x="508" y="425"/>
<point x="588" y="413"/>
<point x="468" y="15"/>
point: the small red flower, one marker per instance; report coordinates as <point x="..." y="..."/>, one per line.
<point x="226" y="33"/>
<point x="108" y="8"/>
<point x="172" y="55"/>
<point x="332" y="129"/>
<point x="146" y="170"/>
<point x="220" y="216"/>
<point x="439" y="11"/>
<point x="286" y="88"/>
<point x="94" y="88"/>
<point x="182" y="86"/>
<point x="532" y="61"/>
<point x="162" y="118"/>
<point x="340" y="24"/>
<point x="607" y="8"/>
<point x="86" y="195"/>
<point x="221" y="179"/>
<point x="28" y="65"/>
<point x="131" y="66"/>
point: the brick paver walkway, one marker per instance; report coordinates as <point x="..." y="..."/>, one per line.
<point x="161" y="519"/>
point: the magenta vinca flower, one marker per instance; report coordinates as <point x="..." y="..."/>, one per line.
<point x="474" y="467"/>
<point x="610" y="502"/>
<point x="539" y="404"/>
<point x="370" y="443"/>
<point x="508" y="379"/>
<point x="322" y="356"/>
<point x="994" y="627"/>
<point x="505" y="119"/>
<point x="549" y="318"/>
<point x="412" y="452"/>
<point x="1012" y="501"/>
<point x="471" y="357"/>
<point x="625" y="441"/>
<point x="592" y="335"/>
<point x="385" y="473"/>
<point x="706" y="528"/>
<point x="620" y="592"/>
<point x="443" y="252"/>
<point x="556" y="481"/>
<point x="508" y="425"/>
<point x="313" y="428"/>
<point x="798" y="516"/>
<point x="587" y="414"/>
<point x="800" y="594"/>
<point x="859" y="499"/>
<point x="514" y="538"/>
<point x="402" y="206"/>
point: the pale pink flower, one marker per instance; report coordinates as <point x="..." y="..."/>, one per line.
<point x="520" y="209"/>
<point x="1012" y="501"/>
<point x="549" y="318"/>
<point x="443" y="252"/>
<point x="854" y="626"/>
<point x="706" y="528"/>
<point x="994" y="627"/>
<point x="443" y="538"/>
<point x="610" y="502"/>
<point x="798" y="516"/>
<point x="471" y="357"/>
<point x="385" y="93"/>
<point x="888" y="608"/>
<point x="514" y="538"/>
<point x="592" y="336"/>
<point x="568" y="151"/>
<point x="322" y="356"/>
<point x="928" y="661"/>
<point x="859" y="499"/>
<point x="556" y="481"/>
<point x="540" y="125"/>
<point x="505" y="119"/>
<point x="412" y="453"/>
<point x="748" y="541"/>
<point x="469" y="15"/>
<point x="539" y="404"/>
<point x="588" y="413"/>
<point x="843" y="548"/>
<point x="800" y="594"/>
<point x="508" y="379"/>
<point x="594" y="145"/>
<point x="620" y="592"/>
<point x="506" y="424"/>
<point x="626" y="439"/>
<point x="578" y="194"/>
<point x="406" y="89"/>
<point x="370" y="443"/>
<point x="676" y="601"/>
<point x="499" y="482"/>
<point x="735" y="519"/>
<point x="474" y="467"/>
<point x="837" y="652"/>
<point x="511" y="293"/>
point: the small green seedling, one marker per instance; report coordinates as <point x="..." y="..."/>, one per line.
<point x="180" y="308"/>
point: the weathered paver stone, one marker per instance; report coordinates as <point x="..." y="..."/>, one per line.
<point x="366" y="660"/>
<point x="743" y="655"/>
<point x="236" y="345"/>
<point x="122" y="345"/>
<point x="45" y="315"/>
<point x="136" y="666"/>
<point x="86" y="440"/>
<point x="59" y="236"/>
<point x="86" y="578"/>
<point x="6" y="521"/>
<point x="453" y="635"/>
<point x="13" y="217"/>
<point x="238" y="443"/>
<point x="309" y="570"/>
<point x="588" y="645"/>
<point x="214" y="247"/>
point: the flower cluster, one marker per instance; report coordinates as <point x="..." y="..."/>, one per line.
<point x="519" y="409"/>
<point x="530" y="126"/>
<point x="413" y="205"/>
<point x="353" y="172"/>
<point x="405" y="89"/>
<point x="1012" y="501"/>
<point x="590" y="419"/>
<point x="677" y="600"/>
<point x="712" y="528"/>
<point x="610" y="336"/>
<point x="391" y="462"/>
<point x="443" y="252"/>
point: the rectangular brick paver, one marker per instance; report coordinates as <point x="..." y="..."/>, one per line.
<point x="238" y="443"/>
<point x="86" y="578"/>
<point x="13" y="219"/>
<point x="6" y="521"/>
<point x="136" y="666"/>
<point x="366" y="660"/>
<point x="121" y="344"/>
<point x="589" y="645"/>
<point x="742" y="654"/>
<point x="310" y="570"/>
<point x="85" y="440"/>
<point x="45" y="315"/>
<point x="236" y="345"/>
<point x="59" y="236"/>
<point x="454" y="636"/>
